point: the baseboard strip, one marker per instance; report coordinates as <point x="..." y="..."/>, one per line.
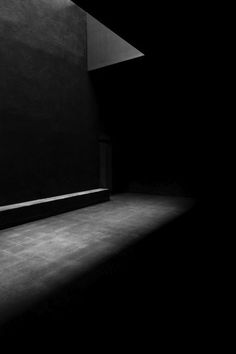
<point x="16" y="214"/>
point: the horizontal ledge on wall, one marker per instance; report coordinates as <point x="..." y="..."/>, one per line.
<point x="16" y="214"/>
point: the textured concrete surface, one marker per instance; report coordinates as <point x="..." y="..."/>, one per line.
<point x="48" y="118"/>
<point x="50" y="26"/>
<point x="37" y="257"/>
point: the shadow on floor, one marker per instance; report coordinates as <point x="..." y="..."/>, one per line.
<point x="151" y="293"/>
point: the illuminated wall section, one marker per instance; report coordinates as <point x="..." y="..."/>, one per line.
<point x="105" y="47"/>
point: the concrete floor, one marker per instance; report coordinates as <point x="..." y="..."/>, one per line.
<point x="41" y="256"/>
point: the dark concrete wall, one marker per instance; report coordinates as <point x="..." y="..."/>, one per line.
<point x="154" y="128"/>
<point x="48" y="114"/>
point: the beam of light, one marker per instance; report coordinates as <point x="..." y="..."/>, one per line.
<point x="105" y="47"/>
